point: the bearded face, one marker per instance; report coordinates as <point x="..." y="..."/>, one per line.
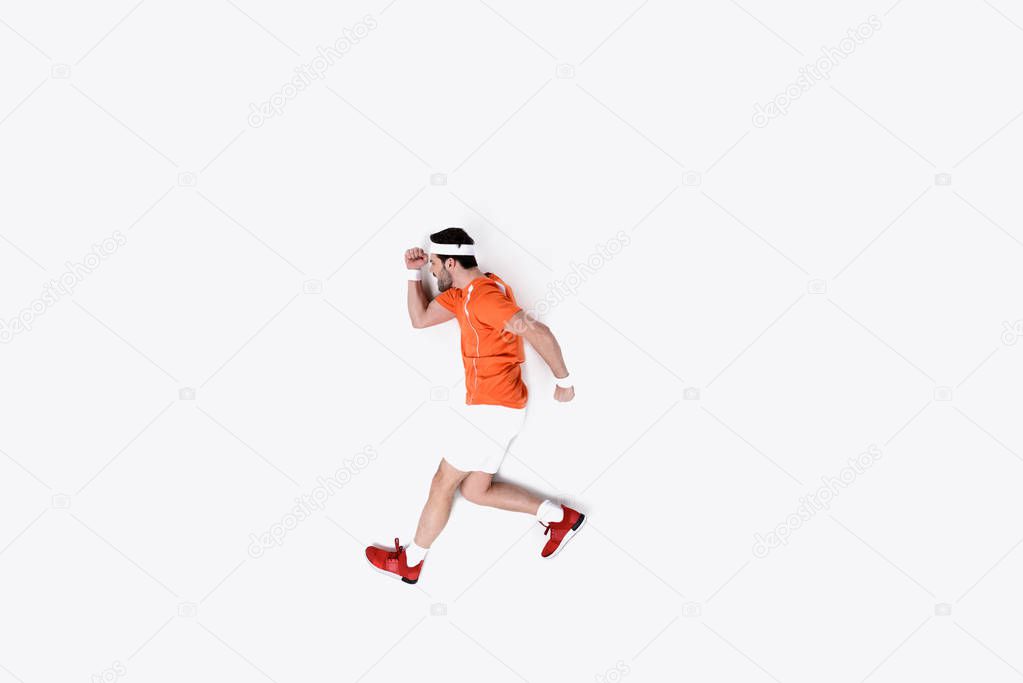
<point x="443" y="276"/>
<point x="443" y="279"/>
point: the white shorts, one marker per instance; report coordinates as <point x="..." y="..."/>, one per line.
<point x="480" y="436"/>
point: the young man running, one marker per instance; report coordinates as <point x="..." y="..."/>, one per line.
<point x="493" y="327"/>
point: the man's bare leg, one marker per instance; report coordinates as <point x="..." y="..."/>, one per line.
<point x="562" y="522"/>
<point x="438" y="506"/>
<point x="480" y="488"/>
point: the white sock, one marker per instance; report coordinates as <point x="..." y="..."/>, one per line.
<point x="549" y="512"/>
<point x="414" y="554"/>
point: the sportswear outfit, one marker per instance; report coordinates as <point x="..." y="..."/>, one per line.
<point x="495" y="395"/>
<point x="495" y="407"/>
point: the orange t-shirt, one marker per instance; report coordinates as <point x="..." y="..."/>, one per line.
<point x="491" y="355"/>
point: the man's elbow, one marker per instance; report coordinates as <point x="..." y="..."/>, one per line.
<point x="537" y="332"/>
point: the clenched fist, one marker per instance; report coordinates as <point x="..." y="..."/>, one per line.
<point x="415" y="258"/>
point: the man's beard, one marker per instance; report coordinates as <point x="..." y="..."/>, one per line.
<point x="444" y="280"/>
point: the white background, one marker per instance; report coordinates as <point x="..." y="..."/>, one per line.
<point x="810" y="282"/>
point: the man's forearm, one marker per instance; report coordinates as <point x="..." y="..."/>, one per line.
<point x="543" y="340"/>
<point x="417" y="302"/>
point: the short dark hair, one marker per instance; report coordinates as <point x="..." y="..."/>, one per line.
<point x="457" y="237"/>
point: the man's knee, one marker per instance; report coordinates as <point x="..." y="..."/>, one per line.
<point x="472" y="491"/>
<point x="447" y="478"/>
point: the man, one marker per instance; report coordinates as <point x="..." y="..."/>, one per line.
<point x="492" y="329"/>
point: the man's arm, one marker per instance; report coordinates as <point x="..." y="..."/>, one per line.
<point x="546" y="344"/>
<point x="421" y="310"/>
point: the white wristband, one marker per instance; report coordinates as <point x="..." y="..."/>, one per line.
<point x="565" y="381"/>
<point x="414" y="275"/>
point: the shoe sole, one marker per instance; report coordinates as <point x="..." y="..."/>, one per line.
<point x="390" y="574"/>
<point x="568" y="536"/>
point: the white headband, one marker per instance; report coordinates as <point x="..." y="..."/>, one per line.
<point x="453" y="249"/>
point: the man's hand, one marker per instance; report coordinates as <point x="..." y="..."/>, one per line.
<point x="563" y="394"/>
<point x="415" y="258"/>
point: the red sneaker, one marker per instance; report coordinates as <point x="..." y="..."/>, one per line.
<point x="561" y="532"/>
<point x="393" y="562"/>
